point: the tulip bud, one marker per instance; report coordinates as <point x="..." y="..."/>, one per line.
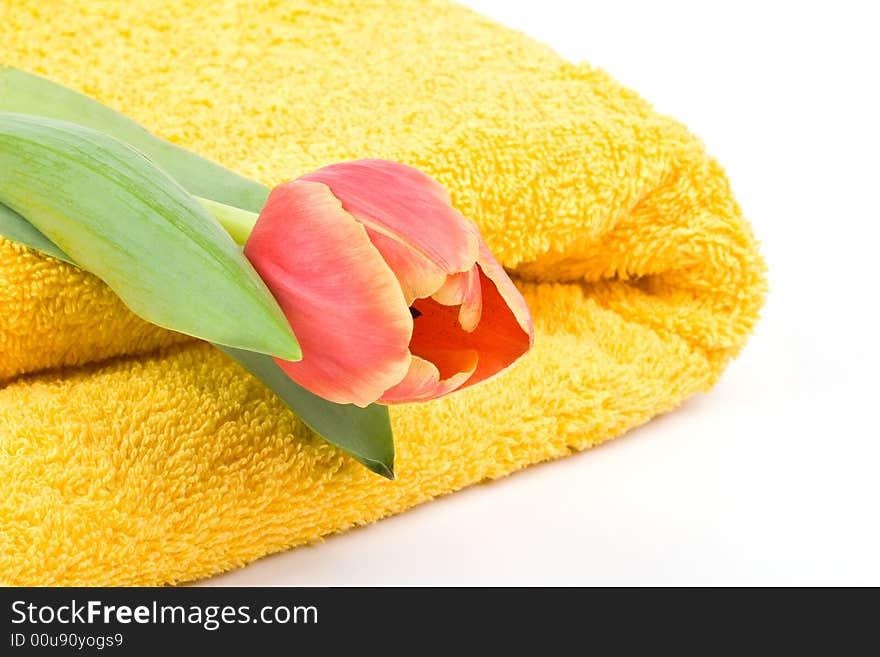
<point x="393" y="294"/>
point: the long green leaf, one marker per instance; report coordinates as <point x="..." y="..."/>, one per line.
<point x="16" y="228"/>
<point x="122" y="218"/>
<point x="362" y="432"/>
<point x="349" y="427"/>
<point x="25" y="93"/>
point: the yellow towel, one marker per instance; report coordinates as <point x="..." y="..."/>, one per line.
<point x="140" y="457"/>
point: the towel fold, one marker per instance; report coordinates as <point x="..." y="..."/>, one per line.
<point x="132" y="455"/>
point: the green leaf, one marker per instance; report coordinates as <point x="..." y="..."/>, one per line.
<point x="362" y="432"/>
<point x="366" y="429"/>
<point x="125" y="220"/>
<point x="16" y="228"/>
<point x="26" y="93"/>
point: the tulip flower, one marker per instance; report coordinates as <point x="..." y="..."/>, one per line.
<point x="392" y="293"/>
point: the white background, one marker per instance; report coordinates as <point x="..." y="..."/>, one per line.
<point x="772" y="478"/>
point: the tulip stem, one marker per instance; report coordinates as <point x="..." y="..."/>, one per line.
<point x="237" y="222"/>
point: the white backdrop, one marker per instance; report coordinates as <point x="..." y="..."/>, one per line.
<point x="772" y="478"/>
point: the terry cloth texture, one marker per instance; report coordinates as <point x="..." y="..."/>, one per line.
<point x="130" y="455"/>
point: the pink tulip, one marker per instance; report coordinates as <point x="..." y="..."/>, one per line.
<point x="392" y="293"/>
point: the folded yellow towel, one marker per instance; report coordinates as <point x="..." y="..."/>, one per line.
<point x="140" y="457"/>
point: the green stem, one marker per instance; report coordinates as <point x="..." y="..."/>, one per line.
<point x="237" y="222"/>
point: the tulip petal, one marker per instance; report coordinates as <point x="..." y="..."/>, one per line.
<point x="405" y="205"/>
<point x="418" y="277"/>
<point x="507" y="290"/>
<point x="503" y="334"/>
<point x="341" y="298"/>
<point x="423" y="380"/>
<point x="463" y="289"/>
